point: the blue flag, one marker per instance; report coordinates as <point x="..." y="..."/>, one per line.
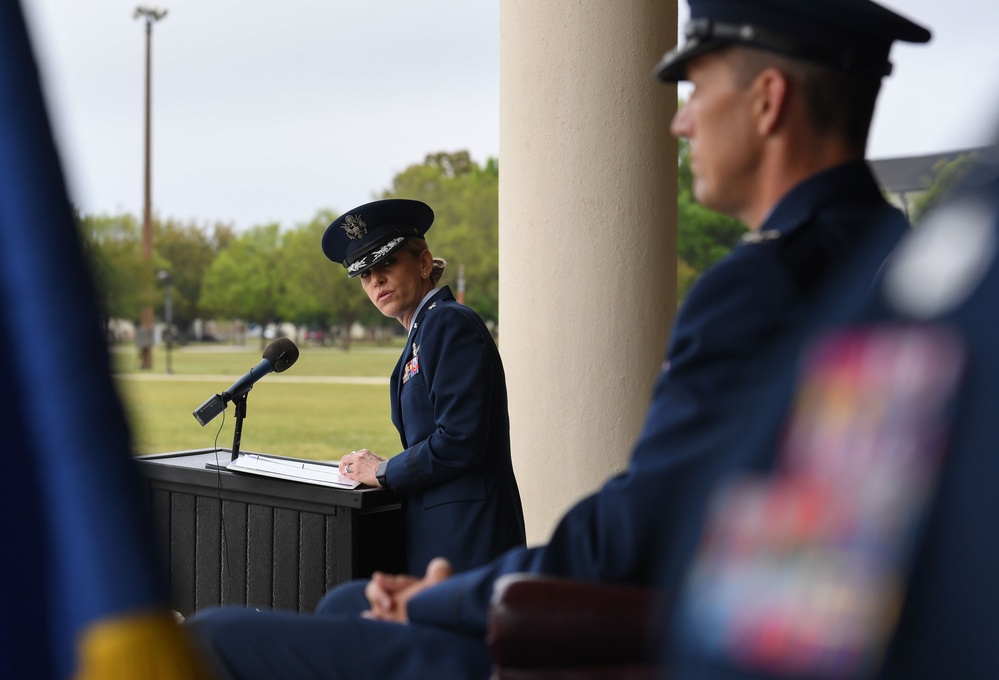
<point x="77" y="545"/>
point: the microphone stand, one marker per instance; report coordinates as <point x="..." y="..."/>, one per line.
<point x="237" y="435"/>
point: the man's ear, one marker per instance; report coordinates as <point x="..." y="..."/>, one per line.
<point x="771" y="90"/>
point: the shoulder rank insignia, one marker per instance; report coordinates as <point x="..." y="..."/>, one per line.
<point x="755" y="237"/>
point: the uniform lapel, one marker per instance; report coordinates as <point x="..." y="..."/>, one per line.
<point x="407" y="353"/>
<point x="396" y="388"/>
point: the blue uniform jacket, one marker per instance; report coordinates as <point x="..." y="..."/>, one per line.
<point x="948" y="623"/>
<point x="703" y="399"/>
<point x="449" y="404"/>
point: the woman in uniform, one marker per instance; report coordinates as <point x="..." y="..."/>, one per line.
<point x="448" y="393"/>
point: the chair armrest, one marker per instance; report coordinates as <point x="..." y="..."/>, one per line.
<point x="547" y="622"/>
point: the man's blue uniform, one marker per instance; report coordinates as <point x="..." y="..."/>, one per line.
<point x="943" y="277"/>
<point x="449" y="404"/>
<point x="702" y="400"/>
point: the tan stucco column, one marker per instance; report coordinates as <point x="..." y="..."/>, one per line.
<point x="587" y="237"/>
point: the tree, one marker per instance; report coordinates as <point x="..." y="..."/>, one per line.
<point x="245" y="281"/>
<point x="318" y="292"/>
<point x="263" y="276"/>
<point x="703" y="236"/>
<point x="187" y="251"/>
<point x="451" y="165"/>
<point x="114" y="246"/>
<point x="465" y="200"/>
<point x="946" y="176"/>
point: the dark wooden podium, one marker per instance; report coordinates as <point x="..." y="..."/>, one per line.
<point x="242" y="539"/>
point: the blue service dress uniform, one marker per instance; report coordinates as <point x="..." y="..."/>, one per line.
<point x="455" y="475"/>
<point x="733" y="318"/>
<point x="943" y="279"/>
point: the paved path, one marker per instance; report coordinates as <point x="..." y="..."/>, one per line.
<point x="271" y="378"/>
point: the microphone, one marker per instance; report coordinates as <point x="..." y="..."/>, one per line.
<point x="278" y="357"/>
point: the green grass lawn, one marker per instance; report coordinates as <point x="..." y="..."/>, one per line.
<point x="316" y="420"/>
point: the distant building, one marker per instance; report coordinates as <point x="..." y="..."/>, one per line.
<point x="906" y="178"/>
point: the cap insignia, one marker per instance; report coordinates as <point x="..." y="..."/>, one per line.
<point x="354" y="226"/>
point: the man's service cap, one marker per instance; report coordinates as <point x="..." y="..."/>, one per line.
<point x="852" y="36"/>
<point x="361" y="237"/>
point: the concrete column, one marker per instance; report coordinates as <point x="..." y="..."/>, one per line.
<point x="587" y="237"/>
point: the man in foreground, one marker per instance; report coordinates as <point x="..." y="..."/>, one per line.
<point x="892" y="439"/>
<point x="778" y="124"/>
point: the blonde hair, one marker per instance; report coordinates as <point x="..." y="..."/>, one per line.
<point x="416" y="245"/>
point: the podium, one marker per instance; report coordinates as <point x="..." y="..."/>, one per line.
<point x="242" y="539"/>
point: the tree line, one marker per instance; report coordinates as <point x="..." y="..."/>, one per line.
<point x="267" y="274"/>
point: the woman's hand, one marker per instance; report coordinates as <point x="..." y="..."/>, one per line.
<point x="361" y="466"/>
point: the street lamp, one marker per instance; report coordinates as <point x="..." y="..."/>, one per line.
<point x="151" y="15"/>
<point x="167" y="282"/>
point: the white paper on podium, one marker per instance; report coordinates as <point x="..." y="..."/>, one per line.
<point x="322" y="474"/>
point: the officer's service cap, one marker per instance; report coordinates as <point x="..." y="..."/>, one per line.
<point x="369" y="233"/>
<point x="852" y="36"/>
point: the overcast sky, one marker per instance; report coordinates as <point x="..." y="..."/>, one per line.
<point x="268" y="111"/>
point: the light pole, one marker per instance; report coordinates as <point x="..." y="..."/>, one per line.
<point x="151" y="15"/>
<point x="167" y="282"/>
